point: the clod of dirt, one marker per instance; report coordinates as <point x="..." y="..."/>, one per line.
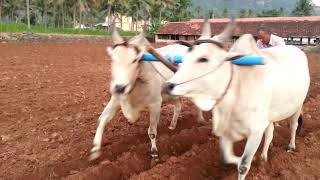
<point x="165" y="157"/>
<point x="105" y="162"/>
<point x="54" y="135"/>
<point x="5" y="138"/>
<point x="45" y="140"/>
<point x="68" y="119"/>
<point x="174" y="159"/>
<point x="73" y="172"/>
<point x="31" y="158"/>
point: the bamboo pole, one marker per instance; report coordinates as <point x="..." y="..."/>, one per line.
<point x="167" y="63"/>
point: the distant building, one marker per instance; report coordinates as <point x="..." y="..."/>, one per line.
<point x="295" y="30"/>
<point x="125" y="23"/>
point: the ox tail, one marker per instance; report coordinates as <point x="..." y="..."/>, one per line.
<point x="300" y="123"/>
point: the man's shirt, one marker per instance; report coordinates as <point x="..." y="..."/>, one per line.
<point x="274" y="41"/>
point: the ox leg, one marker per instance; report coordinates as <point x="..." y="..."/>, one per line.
<point x="293" y="128"/>
<point x="226" y="147"/>
<point x="176" y="112"/>
<point x="152" y="130"/>
<point x="268" y="135"/>
<point x="249" y="151"/>
<point x="108" y="113"/>
<point x="200" y="118"/>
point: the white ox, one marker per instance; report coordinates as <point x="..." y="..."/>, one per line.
<point x="245" y="100"/>
<point x="135" y="86"/>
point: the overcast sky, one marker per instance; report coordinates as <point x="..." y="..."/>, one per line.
<point x="316" y="2"/>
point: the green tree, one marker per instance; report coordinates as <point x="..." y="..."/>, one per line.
<point x="180" y="12"/>
<point x="61" y="12"/>
<point x="211" y="14"/>
<point x="272" y="13"/>
<point x="43" y="10"/>
<point x="163" y="5"/>
<point x="198" y="11"/>
<point x="225" y="13"/>
<point x="243" y="13"/>
<point x="1" y="2"/>
<point x="250" y="13"/>
<point x="110" y="4"/>
<point x="303" y="8"/>
<point x="11" y="8"/>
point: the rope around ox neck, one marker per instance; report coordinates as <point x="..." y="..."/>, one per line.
<point x="209" y="72"/>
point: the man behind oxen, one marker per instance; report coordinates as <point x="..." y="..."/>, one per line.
<point x="267" y="39"/>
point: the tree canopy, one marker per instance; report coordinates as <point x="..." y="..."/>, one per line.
<point x="68" y="13"/>
<point x="303" y="8"/>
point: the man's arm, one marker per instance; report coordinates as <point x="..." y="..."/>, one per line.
<point x="260" y="44"/>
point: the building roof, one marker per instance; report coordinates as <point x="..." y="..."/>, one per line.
<point x="282" y="26"/>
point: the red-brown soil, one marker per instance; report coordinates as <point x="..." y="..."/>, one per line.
<point x="51" y="95"/>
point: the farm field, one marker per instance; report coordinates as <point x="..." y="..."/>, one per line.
<point x="51" y="95"/>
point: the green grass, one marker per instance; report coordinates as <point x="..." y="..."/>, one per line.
<point x="314" y="50"/>
<point x="21" y="28"/>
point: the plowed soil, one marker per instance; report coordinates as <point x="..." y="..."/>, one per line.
<point x="51" y="95"/>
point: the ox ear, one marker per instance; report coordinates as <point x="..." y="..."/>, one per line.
<point x="109" y="51"/>
<point x="233" y="56"/>
<point x="116" y="38"/>
<point x="226" y="34"/>
<point x="206" y="30"/>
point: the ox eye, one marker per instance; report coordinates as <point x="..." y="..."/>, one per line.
<point x="203" y="60"/>
<point x="134" y="61"/>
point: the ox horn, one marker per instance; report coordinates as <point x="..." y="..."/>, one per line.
<point x="162" y="59"/>
<point x="206" y="30"/>
<point x="227" y="32"/>
<point x="116" y="38"/>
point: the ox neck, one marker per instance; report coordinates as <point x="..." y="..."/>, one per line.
<point x="227" y="87"/>
<point x="146" y="72"/>
<point x="151" y="71"/>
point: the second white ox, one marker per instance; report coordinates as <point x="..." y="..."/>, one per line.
<point x="245" y="100"/>
<point x="136" y="86"/>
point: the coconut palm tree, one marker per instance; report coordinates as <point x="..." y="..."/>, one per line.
<point x="28" y="13"/>
<point x="110" y="3"/>
<point x="60" y="8"/>
<point x="163" y="5"/>
<point x="139" y="9"/>
<point x="11" y="8"/>
<point x="1" y="2"/>
<point x="43" y="8"/>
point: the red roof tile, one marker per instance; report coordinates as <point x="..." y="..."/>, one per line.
<point x="283" y="26"/>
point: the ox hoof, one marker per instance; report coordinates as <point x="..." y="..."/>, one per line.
<point x="94" y="154"/>
<point x="154" y="162"/>
<point x="202" y="121"/>
<point x="171" y="127"/>
<point x="242" y="170"/>
<point x="154" y="154"/>
<point x="291" y="149"/>
<point x="264" y="158"/>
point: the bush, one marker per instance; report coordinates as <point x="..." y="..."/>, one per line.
<point x="152" y="29"/>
